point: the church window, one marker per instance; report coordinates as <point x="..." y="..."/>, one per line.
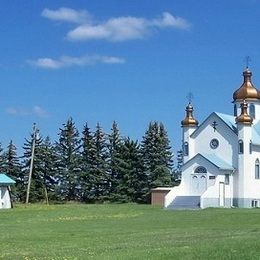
<point x="214" y="143"/>
<point x="250" y="147"/>
<point x="257" y="169"/>
<point x="200" y="169"/>
<point x="240" y="147"/>
<point x="255" y="203"/>
<point x="186" y="149"/>
<point x="252" y="110"/>
<point x="235" y="110"/>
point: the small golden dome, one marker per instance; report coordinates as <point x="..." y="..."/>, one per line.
<point x="189" y="120"/>
<point x="244" y="118"/>
<point x="247" y="91"/>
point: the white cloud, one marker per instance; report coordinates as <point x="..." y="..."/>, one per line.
<point x="67" y="15"/>
<point x="114" y="29"/>
<point x="39" y="111"/>
<point x="69" y="61"/>
<point x="36" y="111"/>
<point x="168" y="20"/>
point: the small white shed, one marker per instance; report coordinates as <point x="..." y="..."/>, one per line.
<point x="5" y="198"/>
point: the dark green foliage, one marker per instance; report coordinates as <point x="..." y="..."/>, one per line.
<point x="157" y="155"/>
<point x="47" y="158"/>
<point x="12" y="167"/>
<point x="132" y="185"/>
<point x="2" y="159"/>
<point x="177" y="170"/>
<point x="37" y="183"/>
<point x="114" y="145"/>
<point x="94" y="167"/>
<point x="88" y="156"/>
<point x="68" y="162"/>
<point x="100" y="185"/>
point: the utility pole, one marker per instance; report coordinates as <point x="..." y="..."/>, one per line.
<point x="31" y="164"/>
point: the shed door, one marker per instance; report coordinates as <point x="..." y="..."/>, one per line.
<point x="221" y="194"/>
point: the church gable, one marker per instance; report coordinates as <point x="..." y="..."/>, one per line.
<point x="217" y="135"/>
<point x="217" y="121"/>
<point x="208" y="161"/>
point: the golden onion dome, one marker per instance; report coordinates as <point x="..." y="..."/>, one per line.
<point x="247" y="91"/>
<point x="189" y="120"/>
<point x="244" y="118"/>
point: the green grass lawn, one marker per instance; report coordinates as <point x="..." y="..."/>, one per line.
<point x="128" y="231"/>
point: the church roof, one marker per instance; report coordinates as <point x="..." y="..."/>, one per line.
<point x="213" y="159"/>
<point x="217" y="161"/>
<point x="4" y="179"/>
<point x="228" y="120"/>
<point x="255" y="137"/>
<point x="247" y="91"/>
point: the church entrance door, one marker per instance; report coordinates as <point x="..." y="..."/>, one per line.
<point x="198" y="184"/>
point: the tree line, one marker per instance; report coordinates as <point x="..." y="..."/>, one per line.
<point x="91" y="166"/>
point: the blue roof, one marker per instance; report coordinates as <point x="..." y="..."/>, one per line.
<point x="213" y="159"/>
<point x="229" y="120"/>
<point x="256" y="133"/>
<point x="4" y="179"/>
<point x="220" y="163"/>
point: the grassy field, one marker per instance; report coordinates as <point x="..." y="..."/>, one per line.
<point x="128" y="231"/>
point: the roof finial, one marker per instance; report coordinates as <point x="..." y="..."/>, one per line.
<point x="247" y="61"/>
<point x="190" y="97"/>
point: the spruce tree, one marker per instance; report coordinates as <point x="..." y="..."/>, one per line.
<point x="37" y="181"/>
<point x="114" y="143"/>
<point x="157" y="155"/>
<point x="132" y="181"/>
<point x="87" y="178"/>
<point x="99" y="168"/>
<point x="2" y="159"/>
<point x="68" y="162"/>
<point x="12" y="167"/>
<point x="47" y="159"/>
<point x="177" y="170"/>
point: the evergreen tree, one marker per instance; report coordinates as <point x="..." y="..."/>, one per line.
<point x="132" y="181"/>
<point x="47" y="159"/>
<point x="177" y="170"/>
<point x="99" y="168"/>
<point x="87" y="179"/>
<point x="12" y="167"/>
<point x="157" y="155"/>
<point x="2" y="159"/>
<point x="68" y="162"/>
<point x="37" y="181"/>
<point x="114" y="144"/>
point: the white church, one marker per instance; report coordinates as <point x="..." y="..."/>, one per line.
<point x="221" y="165"/>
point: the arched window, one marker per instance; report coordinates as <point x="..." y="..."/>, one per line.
<point x="250" y="147"/>
<point x="252" y="110"/>
<point x="200" y="169"/>
<point x="186" y="149"/>
<point x="235" y="110"/>
<point x="240" y="147"/>
<point x="257" y="172"/>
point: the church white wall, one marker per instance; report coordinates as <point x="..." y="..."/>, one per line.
<point x="227" y="149"/>
<point x="5" y="202"/>
<point x="211" y="197"/>
<point x="186" y="137"/>
<point x="188" y="172"/>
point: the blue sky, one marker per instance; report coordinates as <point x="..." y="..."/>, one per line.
<point x="130" y="61"/>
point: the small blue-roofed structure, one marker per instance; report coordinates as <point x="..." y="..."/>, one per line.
<point x="5" y="198"/>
